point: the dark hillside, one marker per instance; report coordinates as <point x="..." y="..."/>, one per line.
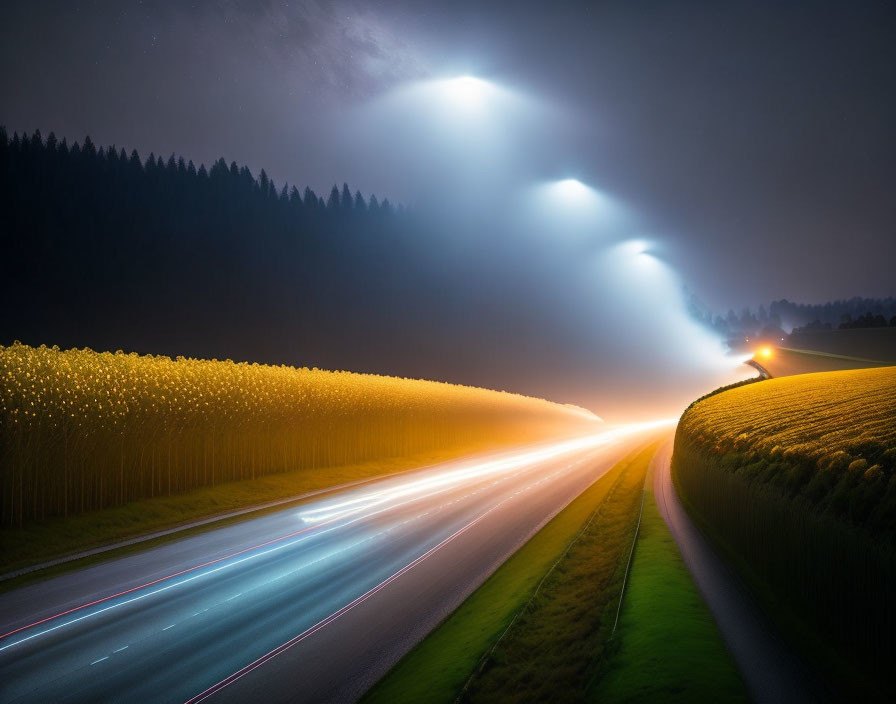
<point x="112" y="250"/>
<point x="878" y="344"/>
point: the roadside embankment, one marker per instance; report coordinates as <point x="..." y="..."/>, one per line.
<point x="795" y="479"/>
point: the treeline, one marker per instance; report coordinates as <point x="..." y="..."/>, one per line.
<point x="868" y="320"/>
<point x="797" y="476"/>
<point x="87" y="214"/>
<point x="55" y="159"/>
<point x="81" y="430"/>
<point x="779" y="316"/>
<point x="110" y="249"/>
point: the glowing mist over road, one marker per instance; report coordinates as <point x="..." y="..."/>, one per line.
<point x="546" y="273"/>
<point x="452" y="477"/>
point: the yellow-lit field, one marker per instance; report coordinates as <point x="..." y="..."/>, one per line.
<point x="82" y="430"/>
<point x="795" y="479"/>
<point x="831" y="418"/>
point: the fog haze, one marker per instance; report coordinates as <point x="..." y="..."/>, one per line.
<point x="748" y="154"/>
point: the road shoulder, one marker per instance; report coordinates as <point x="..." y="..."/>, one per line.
<point x="772" y="672"/>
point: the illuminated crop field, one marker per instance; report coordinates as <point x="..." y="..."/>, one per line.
<point x="837" y="420"/>
<point x="796" y="478"/>
<point x="83" y="430"/>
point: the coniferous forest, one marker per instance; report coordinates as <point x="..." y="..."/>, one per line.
<point x="108" y="249"/>
<point x="114" y="250"/>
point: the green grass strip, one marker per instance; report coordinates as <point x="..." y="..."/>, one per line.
<point x="438" y="668"/>
<point x="669" y="648"/>
<point x="557" y="645"/>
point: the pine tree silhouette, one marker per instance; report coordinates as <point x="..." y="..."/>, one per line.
<point x="107" y="248"/>
<point x="333" y="200"/>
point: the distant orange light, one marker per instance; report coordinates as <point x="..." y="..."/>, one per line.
<point x="765" y="352"/>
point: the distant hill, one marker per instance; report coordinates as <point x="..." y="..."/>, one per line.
<point x="867" y="343"/>
<point x="831" y="350"/>
<point x="783" y="317"/>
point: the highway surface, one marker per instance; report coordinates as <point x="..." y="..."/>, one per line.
<point x="309" y="604"/>
<point x="772" y="672"/>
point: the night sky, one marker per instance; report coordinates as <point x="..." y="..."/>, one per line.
<point x="752" y="145"/>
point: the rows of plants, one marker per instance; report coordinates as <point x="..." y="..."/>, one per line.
<point x="81" y="430"/>
<point x="796" y="476"/>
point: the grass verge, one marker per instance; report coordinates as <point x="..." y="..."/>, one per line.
<point x="38" y="542"/>
<point x="662" y="607"/>
<point x="567" y="612"/>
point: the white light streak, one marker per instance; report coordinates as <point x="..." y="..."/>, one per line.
<point x="453" y="477"/>
<point x="372" y="503"/>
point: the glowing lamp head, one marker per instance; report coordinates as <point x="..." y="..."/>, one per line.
<point x="572" y="188"/>
<point x="572" y="193"/>
<point x="466" y="91"/>
<point x="636" y="248"/>
<point x="764" y="353"/>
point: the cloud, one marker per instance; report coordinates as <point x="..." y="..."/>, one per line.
<point x="336" y="51"/>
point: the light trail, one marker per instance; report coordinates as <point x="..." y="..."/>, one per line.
<point x="276" y="548"/>
<point x="453" y="477"/>
<point x="227" y="681"/>
<point x="353" y="546"/>
<point x="330" y="519"/>
<point x="161" y="589"/>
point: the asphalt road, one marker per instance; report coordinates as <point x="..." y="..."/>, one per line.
<point x="309" y="604"/>
<point x="772" y="672"/>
